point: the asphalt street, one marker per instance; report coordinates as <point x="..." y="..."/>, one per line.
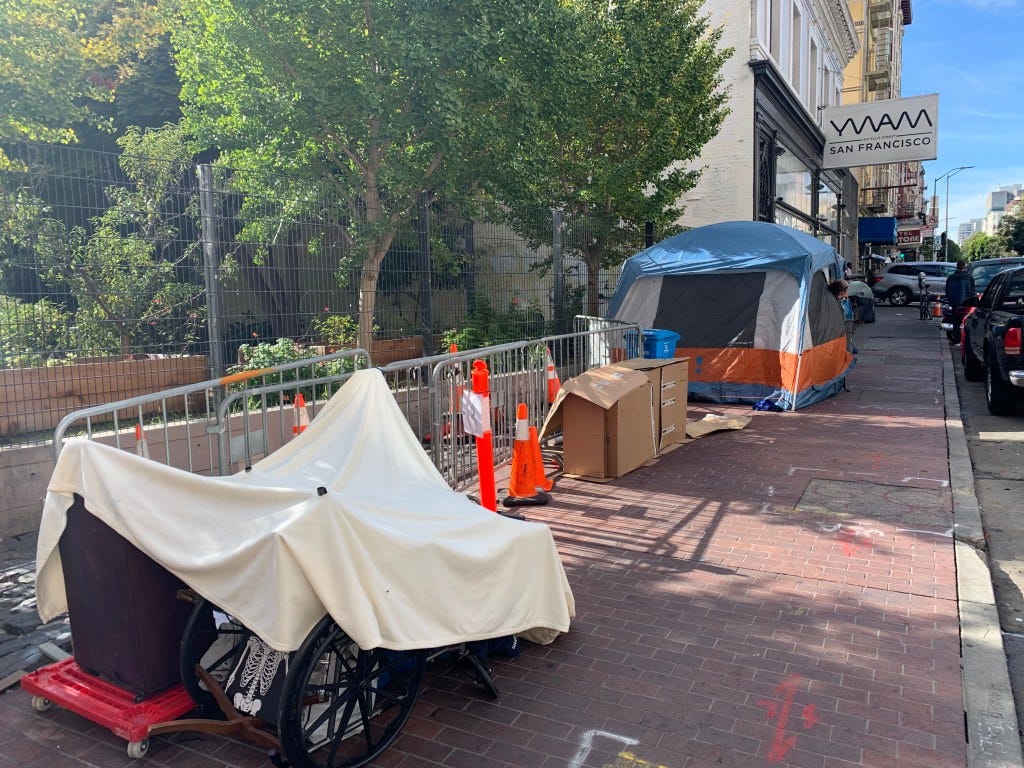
<point x="996" y="446"/>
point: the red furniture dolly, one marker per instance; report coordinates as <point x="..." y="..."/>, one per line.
<point x="65" y="683"/>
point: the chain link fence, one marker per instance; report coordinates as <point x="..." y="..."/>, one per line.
<point x="124" y="274"/>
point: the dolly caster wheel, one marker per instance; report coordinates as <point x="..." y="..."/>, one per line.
<point x="137" y="749"/>
<point x="41" y="703"/>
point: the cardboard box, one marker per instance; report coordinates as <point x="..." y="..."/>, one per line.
<point x="608" y="422"/>
<point x="670" y="380"/>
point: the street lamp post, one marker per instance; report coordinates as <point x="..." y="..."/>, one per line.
<point x="947" y="176"/>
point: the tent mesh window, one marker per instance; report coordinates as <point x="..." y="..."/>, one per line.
<point x="826" y="323"/>
<point x="711" y="310"/>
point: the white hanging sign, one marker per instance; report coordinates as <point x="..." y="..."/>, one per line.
<point x="476" y="414"/>
<point x="881" y="132"/>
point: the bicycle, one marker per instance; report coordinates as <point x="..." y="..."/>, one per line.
<point x="925" y="306"/>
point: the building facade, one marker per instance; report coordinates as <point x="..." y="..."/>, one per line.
<point x="766" y="162"/>
<point x="968" y="228"/>
<point x="996" y="204"/>
<point x="875" y="74"/>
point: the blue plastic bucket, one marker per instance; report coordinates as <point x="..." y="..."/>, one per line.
<point x="658" y="343"/>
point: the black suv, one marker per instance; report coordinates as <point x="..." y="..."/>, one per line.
<point x="992" y="348"/>
<point x="983" y="270"/>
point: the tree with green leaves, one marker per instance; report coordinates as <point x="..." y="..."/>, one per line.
<point x="981" y="246"/>
<point x="381" y="99"/>
<point x="59" y="59"/>
<point x="927" y="250"/>
<point x="121" y="270"/>
<point x="1011" y="231"/>
<point x="623" y="121"/>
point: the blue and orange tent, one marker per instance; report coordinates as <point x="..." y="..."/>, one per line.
<point x="751" y="305"/>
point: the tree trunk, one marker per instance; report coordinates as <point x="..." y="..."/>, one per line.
<point x="368" y="288"/>
<point x="367" y="303"/>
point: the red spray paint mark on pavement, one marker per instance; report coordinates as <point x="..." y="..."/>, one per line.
<point x="851" y="541"/>
<point x="780" y="711"/>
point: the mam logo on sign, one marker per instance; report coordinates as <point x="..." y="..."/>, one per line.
<point x="880" y="132"/>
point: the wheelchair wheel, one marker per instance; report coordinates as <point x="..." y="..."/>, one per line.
<point x="342" y="706"/>
<point x="215" y="648"/>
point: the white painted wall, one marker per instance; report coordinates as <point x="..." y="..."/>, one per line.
<point x="726" y="189"/>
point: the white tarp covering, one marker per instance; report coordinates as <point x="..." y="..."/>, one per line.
<point x="389" y="550"/>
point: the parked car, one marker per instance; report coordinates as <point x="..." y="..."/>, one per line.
<point x="983" y="270"/>
<point x="992" y="342"/>
<point x="897" y="282"/>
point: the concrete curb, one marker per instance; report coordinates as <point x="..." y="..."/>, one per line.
<point x="989" y="710"/>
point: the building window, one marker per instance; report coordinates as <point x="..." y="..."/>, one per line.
<point x="793" y="183"/>
<point x="787" y="219"/>
<point x="828" y="207"/>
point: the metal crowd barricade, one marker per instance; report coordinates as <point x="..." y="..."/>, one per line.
<point x="217" y="426"/>
<point x="430" y="389"/>
<point x="223" y="425"/>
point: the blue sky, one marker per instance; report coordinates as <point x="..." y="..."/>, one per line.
<point x="970" y="52"/>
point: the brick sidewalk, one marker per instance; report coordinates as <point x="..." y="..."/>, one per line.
<point x="781" y="595"/>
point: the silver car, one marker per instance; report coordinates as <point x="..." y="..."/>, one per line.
<point x="897" y="282"/>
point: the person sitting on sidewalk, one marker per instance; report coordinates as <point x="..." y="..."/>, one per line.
<point x="838" y="289"/>
<point x="863" y="301"/>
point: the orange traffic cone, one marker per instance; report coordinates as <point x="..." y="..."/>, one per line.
<point x="141" y="447"/>
<point x="553" y="383"/>
<point x="301" y="415"/>
<point x="522" y="486"/>
<point x="540" y="480"/>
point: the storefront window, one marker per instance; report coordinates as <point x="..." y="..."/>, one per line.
<point x="793" y="182"/>
<point x="828" y="207"/>
<point x="787" y="219"/>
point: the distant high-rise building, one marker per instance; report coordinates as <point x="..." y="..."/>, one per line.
<point x="968" y="228"/>
<point x="996" y="201"/>
<point x="996" y="204"/>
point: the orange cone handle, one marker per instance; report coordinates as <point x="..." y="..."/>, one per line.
<point x="485" y="444"/>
